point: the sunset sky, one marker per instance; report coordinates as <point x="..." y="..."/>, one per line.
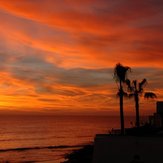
<point x="58" y="56"/>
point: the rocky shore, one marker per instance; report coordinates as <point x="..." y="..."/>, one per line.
<point x="82" y="155"/>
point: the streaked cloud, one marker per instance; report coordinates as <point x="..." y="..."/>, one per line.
<point x="61" y="54"/>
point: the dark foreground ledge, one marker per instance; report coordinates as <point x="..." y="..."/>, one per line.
<point x="128" y="149"/>
<point x="144" y="138"/>
<point x="83" y="155"/>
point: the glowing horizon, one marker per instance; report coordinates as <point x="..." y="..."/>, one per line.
<point x="59" y="55"/>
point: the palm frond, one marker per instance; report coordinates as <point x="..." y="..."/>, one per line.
<point x="128" y="83"/>
<point x="120" y="72"/>
<point x="135" y="84"/>
<point x="150" y="95"/>
<point x="142" y="84"/>
<point x="131" y="95"/>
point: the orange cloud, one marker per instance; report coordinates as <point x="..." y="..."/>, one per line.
<point x="91" y="34"/>
<point x="61" y="54"/>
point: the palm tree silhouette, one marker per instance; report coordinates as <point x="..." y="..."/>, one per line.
<point x="120" y="73"/>
<point x="136" y="89"/>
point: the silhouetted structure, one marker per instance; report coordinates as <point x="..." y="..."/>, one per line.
<point x="159" y="107"/>
<point x="120" y="73"/>
<point x="156" y="119"/>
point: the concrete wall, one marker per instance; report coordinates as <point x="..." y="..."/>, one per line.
<point x="159" y="106"/>
<point x="124" y="149"/>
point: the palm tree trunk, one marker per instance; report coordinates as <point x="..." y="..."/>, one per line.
<point x="137" y="109"/>
<point x="121" y="109"/>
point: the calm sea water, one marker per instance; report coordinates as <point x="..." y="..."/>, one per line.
<point x="47" y="138"/>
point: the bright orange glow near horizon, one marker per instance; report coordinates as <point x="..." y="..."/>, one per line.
<point x="58" y="56"/>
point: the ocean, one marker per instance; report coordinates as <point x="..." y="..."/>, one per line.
<point x="46" y="139"/>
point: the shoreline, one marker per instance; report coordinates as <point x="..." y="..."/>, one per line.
<point x="84" y="154"/>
